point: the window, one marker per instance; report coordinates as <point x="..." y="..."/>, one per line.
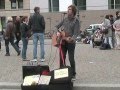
<point x="20" y="4"/>
<point x="2" y="4"/>
<point x="3" y="22"/>
<point x="81" y="4"/>
<point x="90" y="27"/>
<point x="117" y="4"/>
<point x="53" y="5"/>
<point x="16" y="4"/>
<point x="13" y="4"/>
<point x="114" y="4"/>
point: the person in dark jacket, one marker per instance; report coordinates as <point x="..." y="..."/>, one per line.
<point x="9" y="37"/>
<point x="71" y="27"/>
<point x="17" y="31"/>
<point x="37" y="25"/>
<point x="24" y="30"/>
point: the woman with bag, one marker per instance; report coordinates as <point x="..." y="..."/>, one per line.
<point x="107" y="30"/>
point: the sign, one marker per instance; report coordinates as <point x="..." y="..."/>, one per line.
<point x="61" y="73"/>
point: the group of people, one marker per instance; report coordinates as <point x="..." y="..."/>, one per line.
<point x="22" y="29"/>
<point x="112" y="37"/>
<point x="36" y="24"/>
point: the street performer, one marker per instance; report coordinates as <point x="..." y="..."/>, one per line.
<point x="71" y="27"/>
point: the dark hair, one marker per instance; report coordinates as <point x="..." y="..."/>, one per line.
<point x="23" y="18"/>
<point x="36" y="9"/>
<point x="111" y="16"/>
<point x="107" y="16"/>
<point x="74" y="10"/>
<point x="117" y="12"/>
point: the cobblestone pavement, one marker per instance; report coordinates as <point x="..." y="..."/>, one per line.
<point x="93" y="66"/>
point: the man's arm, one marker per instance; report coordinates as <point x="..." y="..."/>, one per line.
<point x="76" y="29"/>
<point x="114" y="26"/>
<point x="43" y="23"/>
<point x="30" y="22"/>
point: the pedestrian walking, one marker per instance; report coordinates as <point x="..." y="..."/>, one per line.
<point x="17" y="31"/>
<point x="37" y="25"/>
<point x="9" y="36"/>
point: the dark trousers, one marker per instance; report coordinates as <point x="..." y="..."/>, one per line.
<point x="70" y="47"/>
<point x="11" y="40"/>
<point x="18" y="38"/>
<point x="0" y="44"/>
<point x="113" y="38"/>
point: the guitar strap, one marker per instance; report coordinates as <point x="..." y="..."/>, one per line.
<point x="61" y="53"/>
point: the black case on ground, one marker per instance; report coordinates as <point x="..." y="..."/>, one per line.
<point x="59" y="84"/>
<point x="34" y="70"/>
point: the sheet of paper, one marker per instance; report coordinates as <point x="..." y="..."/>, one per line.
<point x="44" y="80"/>
<point x="28" y="80"/>
<point x="61" y="73"/>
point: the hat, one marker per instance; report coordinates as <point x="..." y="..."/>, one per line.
<point x="9" y="19"/>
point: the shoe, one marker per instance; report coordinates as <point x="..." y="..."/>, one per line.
<point x="42" y="60"/>
<point x="7" y="54"/>
<point x="25" y="59"/>
<point x="34" y="60"/>
<point x="74" y="78"/>
<point x="18" y="53"/>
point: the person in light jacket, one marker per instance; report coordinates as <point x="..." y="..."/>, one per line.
<point x="108" y="37"/>
<point x="116" y="26"/>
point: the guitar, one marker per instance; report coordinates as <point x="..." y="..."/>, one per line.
<point x="58" y="37"/>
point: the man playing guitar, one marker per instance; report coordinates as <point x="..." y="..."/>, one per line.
<point x="71" y="27"/>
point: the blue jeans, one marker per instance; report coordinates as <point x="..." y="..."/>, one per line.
<point x="109" y="41"/>
<point x="24" y="48"/>
<point x="40" y="37"/>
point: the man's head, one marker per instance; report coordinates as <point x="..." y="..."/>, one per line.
<point x="9" y="19"/>
<point x="37" y="10"/>
<point x="24" y="19"/>
<point x="72" y="10"/>
<point x="107" y="16"/>
<point x="17" y="18"/>
<point x="118" y="15"/>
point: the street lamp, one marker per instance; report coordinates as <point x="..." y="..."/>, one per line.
<point x="50" y="22"/>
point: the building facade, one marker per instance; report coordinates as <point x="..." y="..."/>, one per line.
<point x="61" y="5"/>
<point x="90" y="11"/>
<point x="13" y="8"/>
